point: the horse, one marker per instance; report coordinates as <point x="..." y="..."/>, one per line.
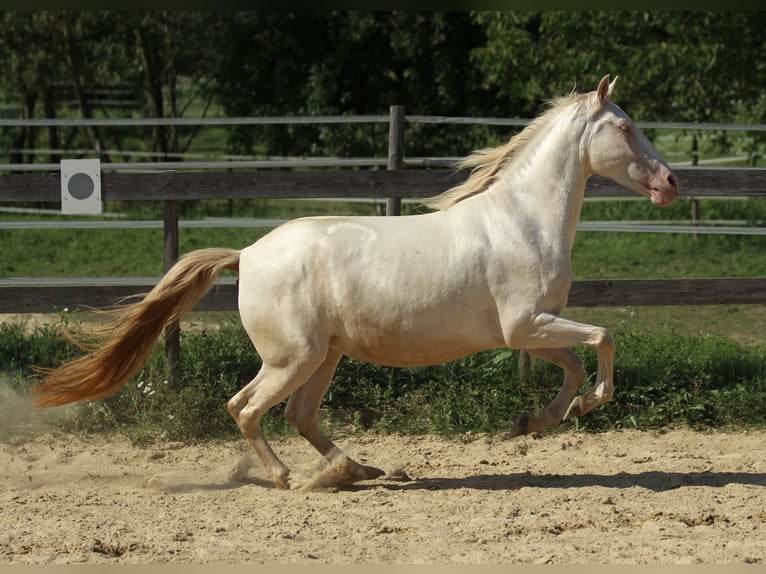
<point x="488" y="267"/>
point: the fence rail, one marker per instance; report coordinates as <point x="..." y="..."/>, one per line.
<point x="173" y="182"/>
<point x="41" y="295"/>
<point x="33" y="296"/>
<point x="720" y="182"/>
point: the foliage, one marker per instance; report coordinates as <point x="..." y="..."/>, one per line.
<point x="679" y="66"/>
<point x="22" y="348"/>
<point x="75" y="54"/>
<point x="309" y="63"/>
<point x="676" y="66"/>
<point x="661" y="379"/>
<point x="703" y="381"/>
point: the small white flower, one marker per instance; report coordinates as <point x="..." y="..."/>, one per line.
<point x="140" y="384"/>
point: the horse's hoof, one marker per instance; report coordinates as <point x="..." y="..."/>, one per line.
<point x="363" y="472"/>
<point x="575" y="408"/>
<point x="296" y="483"/>
<point x="341" y="472"/>
<point x="285" y="481"/>
<point x="521" y="426"/>
<point x="371" y="473"/>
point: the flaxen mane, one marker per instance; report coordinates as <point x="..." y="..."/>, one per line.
<point x="488" y="162"/>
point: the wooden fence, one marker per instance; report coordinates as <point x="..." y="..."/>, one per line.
<point x="17" y="296"/>
<point x="394" y="183"/>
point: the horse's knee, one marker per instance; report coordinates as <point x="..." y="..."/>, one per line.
<point x="247" y="415"/>
<point x="233" y="407"/>
<point x="605" y="341"/>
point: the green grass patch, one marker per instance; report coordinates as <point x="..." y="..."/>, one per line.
<point x="662" y="379"/>
<point x="702" y="366"/>
<point x="602" y="255"/>
<point x="139" y="252"/>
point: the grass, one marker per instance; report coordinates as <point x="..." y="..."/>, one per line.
<point x="661" y="379"/>
<point x="702" y="366"/>
<point x="103" y="252"/>
<point x="599" y="255"/>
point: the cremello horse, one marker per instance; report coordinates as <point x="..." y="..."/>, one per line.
<point x="490" y="268"/>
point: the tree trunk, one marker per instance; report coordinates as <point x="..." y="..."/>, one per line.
<point x="23" y="136"/>
<point x="86" y="111"/>
<point x="153" y="66"/>
<point x="49" y="107"/>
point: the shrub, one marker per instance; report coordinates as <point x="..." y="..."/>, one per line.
<point x="661" y="379"/>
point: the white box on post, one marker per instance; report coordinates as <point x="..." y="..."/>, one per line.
<point x="81" y="187"/>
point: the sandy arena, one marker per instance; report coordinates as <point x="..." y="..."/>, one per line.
<point x="618" y="497"/>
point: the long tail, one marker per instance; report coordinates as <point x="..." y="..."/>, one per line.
<point x="123" y="346"/>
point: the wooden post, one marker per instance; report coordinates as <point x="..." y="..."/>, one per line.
<point x="695" y="201"/>
<point x="172" y="331"/>
<point x="395" y="153"/>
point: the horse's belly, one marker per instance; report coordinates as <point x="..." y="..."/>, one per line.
<point x="395" y="355"/>
<point x="417" y="344"/>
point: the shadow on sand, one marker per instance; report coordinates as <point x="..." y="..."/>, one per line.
<point x="657" y="481"/>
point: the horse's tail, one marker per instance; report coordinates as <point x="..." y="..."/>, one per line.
<point x="121" y="347"/>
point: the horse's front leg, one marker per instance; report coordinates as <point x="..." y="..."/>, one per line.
<point x="574" y="375"/>
<point x="549" y="337"/>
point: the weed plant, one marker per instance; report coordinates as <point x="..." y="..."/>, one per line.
<point x="662" y="379"/>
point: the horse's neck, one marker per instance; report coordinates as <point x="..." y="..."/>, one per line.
<point x="548" y="180"/>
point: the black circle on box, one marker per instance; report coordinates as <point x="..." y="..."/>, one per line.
<point x="81" y="186"/>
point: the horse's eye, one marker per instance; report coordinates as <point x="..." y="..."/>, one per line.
<point x="625" y="128"/>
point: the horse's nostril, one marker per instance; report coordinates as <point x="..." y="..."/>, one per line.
<point x="673" y="181"/>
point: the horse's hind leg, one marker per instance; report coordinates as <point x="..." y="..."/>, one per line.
<point x="270" y="387"/>
<point x="303" y="412"/>
<point x="574" y="373"/>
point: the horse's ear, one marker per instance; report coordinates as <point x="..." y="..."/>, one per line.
<point x="605" y="89"/>
<point x="611" y="87"/>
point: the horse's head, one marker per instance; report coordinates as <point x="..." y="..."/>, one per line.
<point x="617" y="149"/>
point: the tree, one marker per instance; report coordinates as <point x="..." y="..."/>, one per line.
<point x="418" y="60"/>
<point x="676" y="66"/>
<point x="323" y="63"/>
<point x="30" y="43"/>
<point x="263" y="70"/>
<point x="684" y="66"/>
<point x="46" y="52"/>
<point x="165" y="54"/>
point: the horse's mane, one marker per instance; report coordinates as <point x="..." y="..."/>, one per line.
<point x="488" y="162"/>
